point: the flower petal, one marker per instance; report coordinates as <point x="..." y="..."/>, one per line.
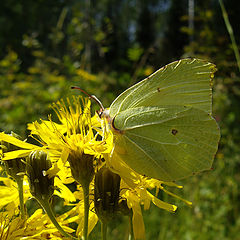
<point x="161" y="204"/>
<point x="15" y="141"/>
<point x="17" y="154"/>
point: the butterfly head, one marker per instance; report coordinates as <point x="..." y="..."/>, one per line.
<point x="104" y="113"/>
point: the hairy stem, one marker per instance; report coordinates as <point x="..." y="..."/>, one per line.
<point x="21" y="198"/>
<point x="86" y="210"/>
<point x="46" y="206"/>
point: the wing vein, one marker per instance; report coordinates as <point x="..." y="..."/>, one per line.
<point x="178" y="143"/>
<point x="147" y="155"/>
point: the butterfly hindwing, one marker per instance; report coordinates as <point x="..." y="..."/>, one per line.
<point x="167" y="143"/>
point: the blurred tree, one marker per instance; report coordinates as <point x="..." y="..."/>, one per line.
<point x="174" y="39"/>
<point x="32" y="18"/>
<point x="146" y="29"/>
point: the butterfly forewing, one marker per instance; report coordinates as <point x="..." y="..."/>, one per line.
<point x="185" y="82"/>
<point x="166" y="143"/>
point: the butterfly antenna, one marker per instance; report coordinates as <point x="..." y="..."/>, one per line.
<point x="90" y="96"/>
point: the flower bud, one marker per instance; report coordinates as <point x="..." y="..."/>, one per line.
<point x="82" y="167"/>
<point x="15" y="167"/>
<point x="106" y="194"/>
<point x="41" y="186"/>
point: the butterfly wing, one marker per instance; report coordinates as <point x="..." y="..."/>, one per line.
<point x="187" y="82"/>
<point x="166" y="143"/>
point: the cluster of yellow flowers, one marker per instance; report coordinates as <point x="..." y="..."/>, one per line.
<point x="76" y="150"/>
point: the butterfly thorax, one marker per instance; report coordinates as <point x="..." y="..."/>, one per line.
<point x="106" y="114"/>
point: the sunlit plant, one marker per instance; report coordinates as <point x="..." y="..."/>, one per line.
<point x="156" y="132"/>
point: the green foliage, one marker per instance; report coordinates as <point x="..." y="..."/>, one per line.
<point x="102" y="47"/>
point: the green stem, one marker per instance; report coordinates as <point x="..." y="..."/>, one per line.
<point x="86" y="210"/>
<point x="46" y="206"/>
<point x="230" y="32"/>
<point x="104" y="230"/>
<point x="21" y="199"/>
<point x="130" y="236"/>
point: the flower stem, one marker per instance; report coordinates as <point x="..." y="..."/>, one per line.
<point x="45" y="205"/>
<point x="104" y="230"/>
<point x="86" y="210"/>
<point x="21" y="199"/>
<point x="130" y="236"/>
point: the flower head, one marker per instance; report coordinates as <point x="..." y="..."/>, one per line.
<point x="75" y="139"/>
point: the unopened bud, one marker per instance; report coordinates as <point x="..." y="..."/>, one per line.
<point x="82" y="167"/>
<point x="41" y="186"/>
<point x="106" y="194"/>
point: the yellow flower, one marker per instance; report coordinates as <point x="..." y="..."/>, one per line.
<point x="10" y="224"/>
<point x="76" y="133"/>
<point x="135" y="189"/>
<point x="76" y="214"/>
<point x="75" y="141"/>
<point x="14" y="227"/>
<point x="9" y="193"/>
<point x="133" y="192"/>
<point x="38" y="226"/>
<point x="26" y="148"/>
<point x="80" y="141"/>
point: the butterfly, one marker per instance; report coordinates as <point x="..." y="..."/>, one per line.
<point x="163" y="126"/>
